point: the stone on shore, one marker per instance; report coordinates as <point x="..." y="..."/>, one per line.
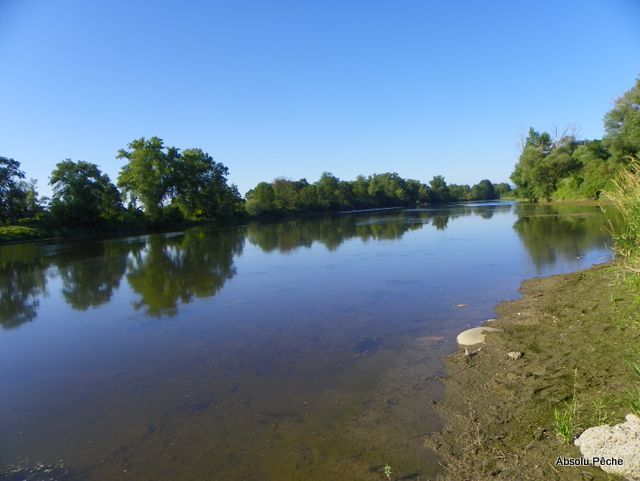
<point x="621" y="441"/>
<point x="475" y="335"/>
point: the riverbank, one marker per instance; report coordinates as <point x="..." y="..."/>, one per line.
<point x="37" y="232"/>
<point x="578" y="333"/>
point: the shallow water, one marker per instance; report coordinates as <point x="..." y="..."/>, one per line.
<point x="299" y="350"/>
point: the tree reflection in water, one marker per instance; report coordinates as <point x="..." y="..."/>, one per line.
<point x="165" y="271"/>
<point x="172" y="270"/>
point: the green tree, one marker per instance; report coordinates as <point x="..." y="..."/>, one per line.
<point x="439" y="190"/>
<point x="542" y="164"/>
<point x="331" y="193"/>
<point x="459" y="192"/>
<point x="261" y="200"/>
<point x="622" y="125"/>
<point x="483" y="190"/>
<point x="10" y="189"/>
<point x="82" y="194"/>
<point x="198" y="186"/>
<point x="151" y="174"/>
<point x="502" y="189"/>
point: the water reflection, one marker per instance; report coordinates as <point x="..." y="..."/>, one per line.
<point x="550" y="232"/>
<point x="22" y="283"/>
<point x="173" y="270"/>
<point x="164" y="271"/>
<point x="91" y="283"/>
<point x="332" y="231"/>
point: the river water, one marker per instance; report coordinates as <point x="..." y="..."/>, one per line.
<point x="308" y="349"/>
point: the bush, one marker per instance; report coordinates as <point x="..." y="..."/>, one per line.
<point x="625" y="194"/>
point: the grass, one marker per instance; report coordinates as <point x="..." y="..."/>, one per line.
<point x="625" y="195"/>
<point x="566" y="419"/>
<point x="15" y="233"/>
<point x="634" y="394"/>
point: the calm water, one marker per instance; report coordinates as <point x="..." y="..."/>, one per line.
<point x="302" y="350"/>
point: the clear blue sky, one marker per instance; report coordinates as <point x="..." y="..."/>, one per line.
<point x="297" y="88"/>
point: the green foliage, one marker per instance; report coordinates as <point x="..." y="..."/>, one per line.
<point x="14" y="233"/>
<point x="622" y="125"/>
<point x="566" y="419"/>
<point x="543" y="163"/>
<point x="284" y="196"/>
<point x="625" y="194"/>
<point x="149" y="174"/>
<point x="199" y="187"/>
<point x="563" y="168"/>
<point x="18" y="198"/>
<point x="502" y="190"/>
<point x="564" y="423"/>
<point x="634" y="393"/>
<point x="174" y="185"/>
<point x="83" y="195"/>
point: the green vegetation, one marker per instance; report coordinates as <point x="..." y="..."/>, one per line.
<point x="566" y="419"/>
<point x="625" y="194"/>
<point x="634" y="393"/>
<point x="16" y="233"/>
<point x="561" y="167"/>
<point x="283" y="196"/>
<point x="163" y="186"/>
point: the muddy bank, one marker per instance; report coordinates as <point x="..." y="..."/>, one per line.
<point x="578" y="332"/>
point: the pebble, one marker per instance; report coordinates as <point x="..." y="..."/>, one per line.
<point x="621" y="441"/>
<point x="515" y="354"/>
<point x="475" y="335"/>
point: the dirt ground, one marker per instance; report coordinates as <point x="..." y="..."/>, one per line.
<point x="578" y="333"/>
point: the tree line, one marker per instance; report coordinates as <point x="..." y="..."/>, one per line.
<point x="284" y="196"/>
<point x="561" y="167"/>
<point x="161" y="184"/>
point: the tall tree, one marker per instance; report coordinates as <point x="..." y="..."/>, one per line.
<point x="439" y="190"/>
<point x="199" y="186"/>
<point x="622" y="125"/>
<point x="82" y="194"/>
<point x="150" y="173"/>
<point x="10" y="183"/>
<point x="261" y="200"/>
<point x="544" y="161"/>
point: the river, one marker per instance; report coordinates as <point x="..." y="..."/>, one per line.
<point x="308" y="349"/>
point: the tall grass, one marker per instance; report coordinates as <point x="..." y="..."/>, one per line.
<point x="625" y="195"/>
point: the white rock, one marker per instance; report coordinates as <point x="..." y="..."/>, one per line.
<point x="475" y="335"/>
<point x="621" y="441"/>
<point x="515" y="354"/>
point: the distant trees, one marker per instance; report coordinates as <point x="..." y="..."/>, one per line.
<point x="83" y="195"/>
<point x="284" y="196"/>
<point x="160" y="185"/>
